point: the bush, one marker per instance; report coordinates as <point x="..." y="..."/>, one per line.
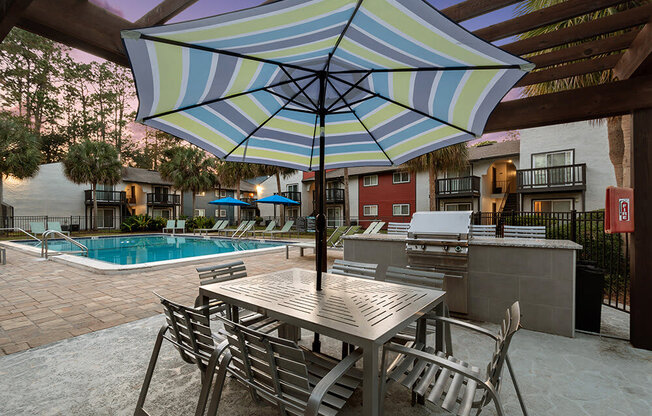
<point x="199" y="222"/>
<point x="136" y="223"/>
<point x="158" y="223"/>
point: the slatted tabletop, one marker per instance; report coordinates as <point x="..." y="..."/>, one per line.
<point x="348" y="308"/>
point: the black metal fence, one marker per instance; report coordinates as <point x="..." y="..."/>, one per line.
<point x="609" y="251"/>
<point x="73" y="223"/>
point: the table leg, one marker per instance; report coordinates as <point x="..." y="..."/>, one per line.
<point x="439" y="328"/>
<point x="370" y="394"/>
<point x="287" y="252"/>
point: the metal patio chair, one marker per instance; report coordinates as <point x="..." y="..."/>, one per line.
<point x="225" y="272"/>
<point x="170" y="225"/>
<point x="188" y="329"/>
<point x="454" y="385"/>
<point x="371" y="227"/>
<point x="270" y="227"/>
<point x="400" y="228"/>
<point x="277" y="370"/>
<point x="215" y="227"/>
<point x="248" y="226"/>
<point x="518" y="231"/>
<point x="286" y="229"/>
<point x="36" y="228"/>
<point x="379" y="226"/>
<point x="56" y="226"/>
<point x="483" y="231"/>
<point x="354" y="269"/>
<point x="233" y="230"/>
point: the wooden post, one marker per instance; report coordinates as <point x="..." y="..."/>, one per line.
<point x="641" y="252"/>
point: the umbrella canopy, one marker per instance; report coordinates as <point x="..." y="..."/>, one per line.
<point x="320" y="84"/>
<point x="230" y="202"/>
<point x="277" y="200"/>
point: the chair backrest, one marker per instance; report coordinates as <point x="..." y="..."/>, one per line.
<point x="271" y="225"/>
<point x="355" y="269"/>
<point x="37" y="227"/>
<point x="54" y="225"/>
<point x="370" y="228"/>
<point x="412" y="277"/>
<point x="223" y="224"/>
<point x="221" y="272"/>
<point x="518" y="231"/>
<point x="190" y="332"/>
<point x="275" y="368"/>
<point x="217" y="224"/>
<point x="398" y="228"/>
<point x="170" y="224"/>
<point x="287" y="226"/>
<point x="483" y="230"/>
<point x="379" y="227"/>
<point x="508" y="328"/>
<point x="181" y="224"/>
<point x="335" y="235"/>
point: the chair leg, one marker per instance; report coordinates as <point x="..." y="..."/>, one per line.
<point x="518" y="390"/>
<point x="219" y="384"/>
<point x="448" y="340"/>
<point x="150" y="371"/>
<point x="207" y="380"/>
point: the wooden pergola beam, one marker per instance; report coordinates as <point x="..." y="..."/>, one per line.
<point x="619" y="21"/>
<point x="584" y="50"/>
<point x="165" y="11"/>
<point x="543" y="17"/>
<point x="10" y="12"/>
<point x="638" y="52"/>
<point x="570" y="70"/>
<point x="615" y="98"/>
<point x="78" y="24"/>
<point x="473" y="8"/>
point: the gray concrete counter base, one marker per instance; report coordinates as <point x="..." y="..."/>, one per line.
<point x="538" y="273"/>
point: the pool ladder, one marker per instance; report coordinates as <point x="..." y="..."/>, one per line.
<point x="44" y="246"/>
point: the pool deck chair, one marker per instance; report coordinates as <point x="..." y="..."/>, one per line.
<point x="227" y="231"/>
<point x="370" y="228"/>
<point x="515" y="231"/>
<point x="379" y="227"/>
<point x="456" y="386"/>
<point x="56" y="226"/>
<point x="36" y="228"/>
<point x="335" y="235"/>
<point x="215" y="227"/>
<point x="287" y="229"/>
<point x="352" y="230"/>
<point x="244" y="230"/>
<point x="181" y="225"/>
<point x="398" y="228"/>
<point x="270" y="227"/>
<point x="170" y="226"/>
<point x="483" y="231"/>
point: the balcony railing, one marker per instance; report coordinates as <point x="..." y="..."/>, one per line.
<point x="466" y="185"/>
<point x="333" y="196"/>
<point x="248" y="200"/>
<point x="106" y="197"/>
<point x="293" y="195"/>
<point x="163" y="199"/>
<point x="551" y="178"/>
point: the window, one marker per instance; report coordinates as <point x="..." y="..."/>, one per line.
<point x="401" y="177"/>
<point x="292" y="213"/>
<point x="200" y="212"/>
<point x="162" y="213"/>
<point x="104" y="218"/>
<point x="293" y="188"/>
<point x="401" y="210"/>
<point x="370" y="210"/>
<point x="220" y="213"/>
<point x="553" y="205"/>
<point x="201" y="193"/>
<point x="370" y="180"/>
<point x="547" y="160"/>
<point x="460" y="206"/>
<point x="220" y="194"/>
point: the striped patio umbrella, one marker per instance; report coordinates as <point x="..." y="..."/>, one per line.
<point x="320" y="84"/>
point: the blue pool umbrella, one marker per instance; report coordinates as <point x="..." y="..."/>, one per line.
<point x="230" y="202"/>
<point x="277" y="200"/>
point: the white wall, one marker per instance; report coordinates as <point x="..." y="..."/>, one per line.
<point x="270" y="188"/>
<point x="591" y="146"/>
<point x="47" y="193"/>
<point x="422" y="191"/>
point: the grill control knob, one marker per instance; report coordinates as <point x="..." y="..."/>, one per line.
<point x="458" y="249"/>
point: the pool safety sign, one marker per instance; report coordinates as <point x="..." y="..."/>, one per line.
<point x="619" y="210"/>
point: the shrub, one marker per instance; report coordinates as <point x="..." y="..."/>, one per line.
<point x="199" y="222"/>
<point x="137" y="223"/>
<point x="158" y="223"/>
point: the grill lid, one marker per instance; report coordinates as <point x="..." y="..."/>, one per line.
<point x="440" y="224"/>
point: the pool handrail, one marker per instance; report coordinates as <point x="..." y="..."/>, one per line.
<point x="45" y="249"/>
<point x="22" y="231"/>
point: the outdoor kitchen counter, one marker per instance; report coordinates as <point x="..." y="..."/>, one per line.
<point x="539" y="273"/>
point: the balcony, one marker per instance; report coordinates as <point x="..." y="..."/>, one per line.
<point x="248" y="200"/>
<point x="163" y="199"/>
<point x="552" y="179"/>
<point x="106" y="197"/>
<point x="333" y="196"/>
<point x="293" y="195"/>
<point x="454" y="187"/>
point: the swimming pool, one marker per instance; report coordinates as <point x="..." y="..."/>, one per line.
<point x="138" y="249"/>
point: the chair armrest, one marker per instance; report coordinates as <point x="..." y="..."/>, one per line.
<point x="464" y="325"/>
<point x="442" y="362"/>
<point x="320" y="390"/>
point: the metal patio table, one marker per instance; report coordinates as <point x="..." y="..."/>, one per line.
<point x="365" y="313"/>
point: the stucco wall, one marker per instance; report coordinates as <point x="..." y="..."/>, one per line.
<point x="591" y="146"/>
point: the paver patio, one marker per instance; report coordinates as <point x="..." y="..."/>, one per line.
<point x="46" y="301"/>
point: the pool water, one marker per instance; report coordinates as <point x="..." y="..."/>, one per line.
<point x="150" y="248"/>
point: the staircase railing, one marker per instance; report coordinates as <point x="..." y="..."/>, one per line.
<point x="45" y="249"/>
<point x="22" y="231"/>
<point x="506" y="194"/>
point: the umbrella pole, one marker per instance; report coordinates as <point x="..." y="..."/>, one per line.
<point x="320" y="184"/>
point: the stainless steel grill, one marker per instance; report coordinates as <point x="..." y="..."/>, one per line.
<point x="439" y="241"/>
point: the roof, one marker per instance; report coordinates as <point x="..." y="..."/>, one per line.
<point x="139" y="175"/>
<point x="338" y="173"/>
<point x="495" y="150"/>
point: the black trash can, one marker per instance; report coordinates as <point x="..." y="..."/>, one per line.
<point x="589" y="291"/>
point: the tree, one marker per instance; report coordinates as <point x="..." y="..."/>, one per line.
<point x="231" y="173"/>
<point x="93" y="163"/>
<point x="614" y="124"/>
<point x="19" y="149"/>
<point x="450" y="158"/>
<point x="53" y="146"/>
<point x="189" y="169"/>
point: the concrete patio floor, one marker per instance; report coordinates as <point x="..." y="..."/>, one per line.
<point x="100" y="373"/>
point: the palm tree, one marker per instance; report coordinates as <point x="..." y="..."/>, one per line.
<point x="450" y="158"/>
<point x="94" y="163"/>
<point x="231" y="173"/>
<point x="614" y="124"/>
<point x="277" y="171"/>
<point x="20" y="154"/>
<point x="189" y="169"/>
